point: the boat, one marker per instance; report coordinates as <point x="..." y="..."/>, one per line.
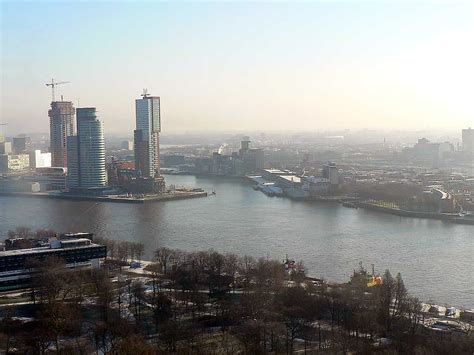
<point x="374" y="281"/>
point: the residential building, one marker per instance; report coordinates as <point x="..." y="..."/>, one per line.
<point x="21" y="144"/>
<point x="331" y="173"/>
<point x="252" y="158"/>
<point x="86" y="152"/>
<point x="5" y="147"/>
<point x="61" y="125"/>
<point x="146" y="136"/>
<point x="424" y="150"/>
<point x="14" y="162"/>
<point x="468" y="140"/>
<point x="127" y="145"/>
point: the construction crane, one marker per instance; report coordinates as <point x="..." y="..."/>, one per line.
<point x="53" y="85"/>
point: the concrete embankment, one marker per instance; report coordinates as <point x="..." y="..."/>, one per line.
<point x="454" y="218"/>
<point x="73" y="197"/>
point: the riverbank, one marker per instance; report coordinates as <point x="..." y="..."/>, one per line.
<point x="167" y="196"/>
<point x="450" y="217"/>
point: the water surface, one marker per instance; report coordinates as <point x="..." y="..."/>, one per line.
<point x="434" y="257"/>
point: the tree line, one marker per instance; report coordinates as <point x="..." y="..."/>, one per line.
<point x="208" y="302"/>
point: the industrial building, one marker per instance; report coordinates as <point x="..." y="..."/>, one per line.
<point x="244" y="162"/>
<point x="40" y="180"/>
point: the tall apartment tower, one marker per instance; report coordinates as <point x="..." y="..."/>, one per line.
<point x="61" y="125"/>
<point x="86" y="152"/>
<point x="147" y="136"/>
<point x="468" y="140"/>
<point x="21" y="144"/>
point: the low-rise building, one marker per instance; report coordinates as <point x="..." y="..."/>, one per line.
<point x="40" y="160"/>
<point x="14" y="162"/>
<point x="77" y="250"/>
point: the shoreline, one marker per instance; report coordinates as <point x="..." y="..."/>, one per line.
<point x="180" y="195"/>
<point x="452" y="218"/>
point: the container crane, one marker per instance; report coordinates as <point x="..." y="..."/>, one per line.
<point x="53" y="85"/>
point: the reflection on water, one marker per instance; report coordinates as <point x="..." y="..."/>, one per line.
<point x="434" y="257"/>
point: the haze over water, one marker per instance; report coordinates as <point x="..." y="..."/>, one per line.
<point x="434" y="257"/>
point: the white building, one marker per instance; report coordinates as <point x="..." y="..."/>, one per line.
<point x="40" y="160"/>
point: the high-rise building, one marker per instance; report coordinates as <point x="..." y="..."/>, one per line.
<point x="127" y="145"/>
<point x="146" y="136"/>
<point x="252" y="158"/>
<point x="21" y="144"/>
<point x="61" y="125"/>
<point x="5" y="147"/>
<point x="331" y="173"/>
<point x="86" y="152"/>
<point x="468" y="140"/>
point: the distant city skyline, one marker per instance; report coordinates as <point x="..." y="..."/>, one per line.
<point x="242" y="66"/>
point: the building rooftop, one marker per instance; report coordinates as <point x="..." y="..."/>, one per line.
<point x="292" y="178"/>
<point x="77" y="243"/>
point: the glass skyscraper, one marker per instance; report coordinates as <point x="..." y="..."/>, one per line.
<point x="86" y="152"/>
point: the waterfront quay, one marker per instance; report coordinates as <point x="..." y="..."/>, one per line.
<point x="284" y="183"/>
<point x="140" y="198"/>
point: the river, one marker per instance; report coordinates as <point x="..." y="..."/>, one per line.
<point x="434" y="257"/>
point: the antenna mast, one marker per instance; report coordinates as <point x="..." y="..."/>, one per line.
<point x="145" y="93"/>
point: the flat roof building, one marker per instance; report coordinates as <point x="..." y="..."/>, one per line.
<point x="76" y="251"/>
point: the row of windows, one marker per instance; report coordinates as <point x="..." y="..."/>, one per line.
<point x="15" y="262"/>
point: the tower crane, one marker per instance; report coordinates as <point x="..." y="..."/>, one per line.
<point x="53" y="85"/>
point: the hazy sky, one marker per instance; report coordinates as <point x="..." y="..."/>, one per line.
<point x="242" y="66"/>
